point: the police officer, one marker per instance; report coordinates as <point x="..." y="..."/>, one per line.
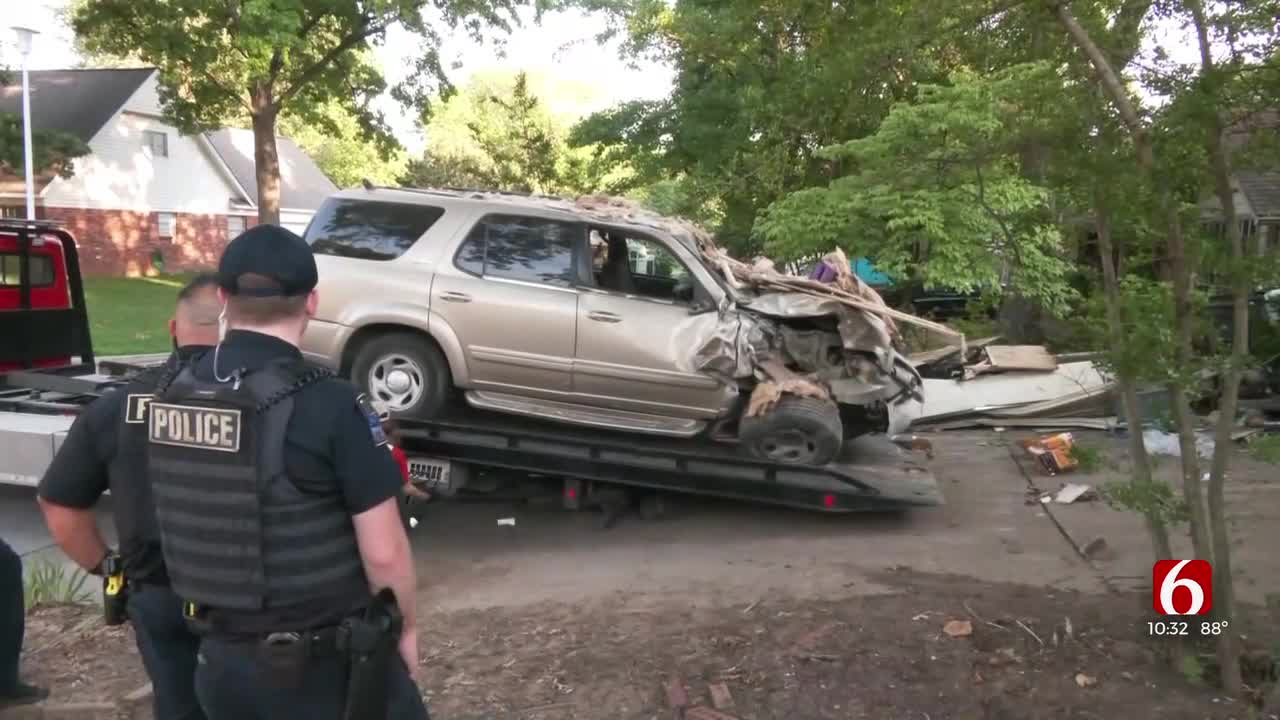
<point x="277" y="504"/>
<point x="105" y="448"/>
<point x="13" y="692"/>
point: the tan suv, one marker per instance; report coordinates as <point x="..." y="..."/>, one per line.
<point x="546" y="308"/>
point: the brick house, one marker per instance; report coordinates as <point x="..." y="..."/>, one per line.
<point x="147" y="195"/>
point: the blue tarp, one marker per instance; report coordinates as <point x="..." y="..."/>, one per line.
<point x="863" y="268"/>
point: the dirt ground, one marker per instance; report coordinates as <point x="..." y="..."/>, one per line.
<point x="796" y="615"/>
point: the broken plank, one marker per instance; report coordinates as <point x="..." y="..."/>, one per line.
<point x="720" y="696"/>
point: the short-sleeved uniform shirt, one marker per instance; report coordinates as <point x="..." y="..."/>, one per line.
<point x="331" y="443"/>
<point x="81" y="472"/>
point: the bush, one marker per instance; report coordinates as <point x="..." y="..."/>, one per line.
<point x="50" y="583"/>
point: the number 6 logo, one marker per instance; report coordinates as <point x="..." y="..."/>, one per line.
<point x="1193" y="577"/>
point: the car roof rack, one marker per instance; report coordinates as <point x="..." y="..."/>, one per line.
<point x="462" y="192"/>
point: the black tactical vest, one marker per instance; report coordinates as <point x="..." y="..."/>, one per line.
<point x="237" y="533"/>
<point x="126" y="473"/>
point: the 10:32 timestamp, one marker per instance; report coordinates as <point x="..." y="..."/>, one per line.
<point x="1185" y="628"/>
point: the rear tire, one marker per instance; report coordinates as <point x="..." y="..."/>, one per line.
<point x="406" y="371"/>
<point x="797" y="431"/>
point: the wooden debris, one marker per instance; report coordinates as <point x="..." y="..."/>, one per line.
<point x="767" y="394"/>
<point x="958" y="628"/>
<point x="720" y="696"/>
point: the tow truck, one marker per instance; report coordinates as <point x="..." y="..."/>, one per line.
<point x="48" y="372"/>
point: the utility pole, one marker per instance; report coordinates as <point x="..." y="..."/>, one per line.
<point x="25" y="36"/>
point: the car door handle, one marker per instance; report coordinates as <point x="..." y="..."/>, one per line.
<point x="608" y="317"/>
<point x="457" y="297"/>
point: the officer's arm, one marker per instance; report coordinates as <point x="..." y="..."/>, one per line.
<point x="388" y="563"/>
<point x="371" y="484"/>
<point x="75" y="480"/>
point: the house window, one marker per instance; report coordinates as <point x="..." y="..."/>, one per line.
<point x="235" y="225"/>
<point x="158" y="142"/>
<point x="11" y="212"/>
<point x="167" y="223"/>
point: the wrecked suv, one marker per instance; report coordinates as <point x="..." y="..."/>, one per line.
<point x="596" y="313"/>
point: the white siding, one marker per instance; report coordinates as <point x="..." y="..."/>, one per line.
<point x="146" y="99"/>
<point x="120" y="174"/>
<point x="296" y="220"/>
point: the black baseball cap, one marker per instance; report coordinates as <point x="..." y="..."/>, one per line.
<point x="273" y="252"/>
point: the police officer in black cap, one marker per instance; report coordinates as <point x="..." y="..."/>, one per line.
<point x="277" y="505"/>
<point x="106" y="449"/>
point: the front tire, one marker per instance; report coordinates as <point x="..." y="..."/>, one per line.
<point x="796" y="431"/>
<point x="407" y="372"/>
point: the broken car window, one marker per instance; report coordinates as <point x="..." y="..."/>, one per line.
<point x="641" y="267"/>
<point x="521" y="248"/>
<point x="650" y="258"/>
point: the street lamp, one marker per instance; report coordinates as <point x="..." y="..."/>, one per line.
<point x="25" y="35"/>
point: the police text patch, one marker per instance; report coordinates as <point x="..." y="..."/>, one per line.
<point x="371" y="415"/>
<point x="195" y="427"/>
<point x="136" y="412"/>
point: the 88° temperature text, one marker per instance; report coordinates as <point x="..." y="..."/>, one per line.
<point x="1201" y="628"/>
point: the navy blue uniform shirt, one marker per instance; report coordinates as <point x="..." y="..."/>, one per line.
<point x="80" y="474"/>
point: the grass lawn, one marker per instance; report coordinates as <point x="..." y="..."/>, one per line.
<point x="129" y="316"/>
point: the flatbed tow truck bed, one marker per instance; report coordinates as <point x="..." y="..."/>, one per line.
<point x="872" y="473"/>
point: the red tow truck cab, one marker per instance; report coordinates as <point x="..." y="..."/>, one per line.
<point x="43" y="323"/>
<point x="48" y="286"/>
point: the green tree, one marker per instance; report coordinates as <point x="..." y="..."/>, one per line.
<point x="759" y="88"/>
<point x="344" y="147"/>
<point x="498" y="133"/>
<point x="51" y="150"/>
<point x="937" y="193"/>
<point x="223" y="62"/>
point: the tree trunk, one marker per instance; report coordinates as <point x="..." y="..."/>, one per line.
<point x="1229" y="400"/>
<point x="1179" y="269"/>
<point x="266" y="160"/>
<point x="1142" y="476"/>
<point x="1184" y="420"/>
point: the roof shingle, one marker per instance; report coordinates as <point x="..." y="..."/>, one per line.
<point x="1262" y="189"/>
<point x="78" y="102"/>
<point x="303" y="186"/>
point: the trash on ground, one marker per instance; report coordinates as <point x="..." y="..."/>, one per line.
<point x="1052" y="452"/>
<point x="914" y="442"/>
<point x="511" y="522"/>
<point x="958" y="628"/>
<point x="1073" y="492"/>
<point x="1002" y="358"/>
<point x="947" y="361"/>
<point x="720" y="696"/>
<point x="1085" y="681"/>
<point x="1072" y="390"/>
<point x="1098" y="549"/>
<point x="1039" y="424"/>
<point x="1159" y="442"/>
